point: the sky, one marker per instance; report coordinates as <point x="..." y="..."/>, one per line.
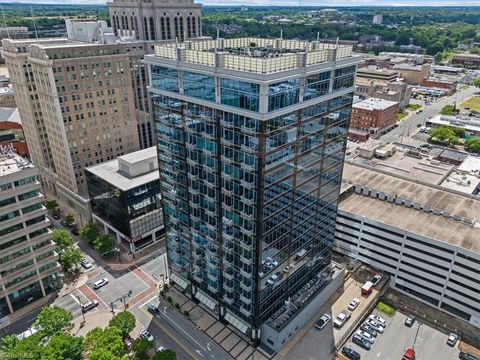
<point x="289" y="2"/>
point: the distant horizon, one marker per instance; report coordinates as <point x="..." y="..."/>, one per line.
<point x="282" y="3"/>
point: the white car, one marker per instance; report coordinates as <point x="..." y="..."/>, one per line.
<point x="375" y="325"/>
<point x="86" y="264"/>
<point x="144" y="334"/>
<point x="323" y="321"/>
<point x="378" y="319"/>
<point x="366" y="336"/>
<point x="452" y="339"/>
<point x="160" y="349"/>
<point x="353" y="304"/>
<point x="100" y="283"/>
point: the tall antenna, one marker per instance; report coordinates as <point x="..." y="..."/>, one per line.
<point x="34" y="23"/>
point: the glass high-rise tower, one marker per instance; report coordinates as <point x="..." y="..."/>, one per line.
<point x="251" y="141"/>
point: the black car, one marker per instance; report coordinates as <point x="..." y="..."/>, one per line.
<point x="153" y="309"/>
<point x="466" y="356"/>
<point x="350" y="353"/>
<point x="360" y="341"/>
<point x="367" y="328"/>
<point x="56" y="216"/>
<point x="409" y="321"/>
<point x="74" y="230"/>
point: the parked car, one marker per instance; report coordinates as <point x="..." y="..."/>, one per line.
<point x="341" y="318"/>
<point x="409" y="354"/>
<point x="360" y="341"/>
<point x="323" y="321"/>
<point x="100" y="283"/>
<point x="160" y="349"/>
<point x="378" y="319"/>
<point x="375" y="325"/>
<point x="56" y="216"/>
<point x="419" y="125"/>
<point x="353" y="304"/>
<point x="350" y="353"/>
<point x="144" y="334"/>
<point x="452" y="339"/>
<point x="89" y="305"/>
<point x="466" y="356"/>
<point x="376" y="279"/>
<point x="409" y="321"/>
<point x="366" y="336"/>
<point x="153" y="309"/>
<point x="86" y="264"/>
<point x="74" y="230"/>
<point x="369" y="329"/>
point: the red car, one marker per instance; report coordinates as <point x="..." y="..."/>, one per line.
<point x="409" y="354"/>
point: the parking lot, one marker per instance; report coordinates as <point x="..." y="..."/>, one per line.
<point x="428" y="343"/>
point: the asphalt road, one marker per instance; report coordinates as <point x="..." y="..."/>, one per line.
<point x="172" y="330"/>
<point x="409" y="125"/>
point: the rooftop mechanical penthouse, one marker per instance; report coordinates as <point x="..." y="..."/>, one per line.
<point x="251" y="141"/>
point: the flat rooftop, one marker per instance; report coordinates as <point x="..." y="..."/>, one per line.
<point x="416" y="221"/>
<point x="11" y="162"/>
<point x="110" y="170"/>
<point x="433" y="197"/>
<point x="255" y="55"/>
<point x="374" y="104"/>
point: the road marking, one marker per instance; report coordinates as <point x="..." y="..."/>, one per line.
<point x="173" y="337"/>
<point x="199" y="353"/>
<point x="152" y="298"/>
<point x="75" y="299"/>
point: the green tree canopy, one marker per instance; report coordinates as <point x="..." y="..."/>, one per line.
<point x="63" y="346"/>
<point x="108" y="340"/>
<point x="165" y="355"/>
<point x="89" y="233"/>
<point x="62" y="239"/>
<point x="30" y="345"/>
<point x="473" y="144"/>
<point x="104" y="243"/>
<point x="476" y="82"/>
<point x="52" y="320"/>
<point x="444" y="134"/>
<point x="124" y="321"/>
<point x="448" y="110"/>
<point x="68" y="219"/>
<point x="70" y="258"/>
<point x="51" y="205"/>
<point x="141" y="347"/>
<point x="459" y="132"/>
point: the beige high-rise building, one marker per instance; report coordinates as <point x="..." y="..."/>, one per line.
<point x="77" y="105"/>
<point x="28" y="261"/>
<point x="156" y="19"/>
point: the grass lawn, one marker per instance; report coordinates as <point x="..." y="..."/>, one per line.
<point x="401" y="114"/>
<point x="472" y="104"/>
<point x="413" y="107"/>
<point x="386" y="308"/>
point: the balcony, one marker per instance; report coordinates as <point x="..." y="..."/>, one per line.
<point x="210" y="213"/>
<point x="228" y="275"/>
<point x="227" y="142"/>
<point x="227" y="236"/>
<point x="246" y="275"/>
<point x="212" y="277"/>
<point x="197" y="278"/>
<point x="249" y="202"/>
<point x="228" y="300"/>
<point x="245" y="287"/>
<point x="226" y="160"/>
<point x="247" y="167"/>
<point x="194" y="177"/>
<point x="191" y="162"/>
<point x="211" y="227"/>
<point x="212" y="289"/>
<point x="194" y="191"/>
<point x="246" y="246"/>
<point x="248" y="232"/>
<point x="245" y="260"/>
<point x="248" y="217"/>
<point x="245" y="312"/>
<point x="191" y="146"/>
<point x="246" y="184"/>
<point x="227" y="263"/>
<point x="227" y="177"/>
<point x="227" y="221"/>
<point x="244" y="300"/>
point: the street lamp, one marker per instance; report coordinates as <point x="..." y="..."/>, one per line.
<point x="83" y="313"/>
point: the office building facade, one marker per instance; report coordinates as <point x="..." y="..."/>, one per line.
<point x="77" y="106"/>
<point x="156" y="20"/>
<point x="251" y="139"/>
<point x="125" y="198"/>
<point x="28" y="262"/>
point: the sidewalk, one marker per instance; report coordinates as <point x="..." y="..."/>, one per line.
<point x="99" y="319"/>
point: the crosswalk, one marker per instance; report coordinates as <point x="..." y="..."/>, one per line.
<point x="71" y="303"/>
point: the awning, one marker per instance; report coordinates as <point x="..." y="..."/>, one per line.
<point x="240" y="325"/>
<point x="207" y="301"/>
<point x="178" y="280"/>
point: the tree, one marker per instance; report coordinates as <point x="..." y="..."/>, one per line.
<point x="64" y="346"/>
<point x="52" y="320"/>
<point x="459" y="132"/>
<point x="124" y="321"/>
<point x="68" y="219"/>
<point x="165" y="355"/>
<point x="104" y="243"/>
<point x="51" y="205"/>
<point x="70" y="257"/>
<point x="141" y="347"/>
<point x="30" y="345"/>
<point x="473" y="144"/>
<point x="444" y="134"/>
<point x="62" y="239"/>
<point x="89" y="233"/>
<point x="108" y="340"/>
<point x="8" y="343"/>
<point x="448" y="110"/>
<point x="435" y="48"/>
<point x="476" y="82"/>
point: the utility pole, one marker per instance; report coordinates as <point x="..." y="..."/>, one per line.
<point x="81" y="308"/>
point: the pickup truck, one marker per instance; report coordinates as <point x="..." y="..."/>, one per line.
<point x="342" y="318"/>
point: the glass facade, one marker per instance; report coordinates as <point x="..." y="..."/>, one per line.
<point x="126" y="211"/>
<point x="249" y="205"/>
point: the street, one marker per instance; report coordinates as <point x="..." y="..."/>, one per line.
<point x="409" y="125"/>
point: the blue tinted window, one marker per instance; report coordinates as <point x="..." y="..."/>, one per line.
<point x="317" y="85"/>
<point x="199" y="86"/>
<point x="240" y="94"/>
<point x="164" y="78"/>
<point x="283" y="94"/>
